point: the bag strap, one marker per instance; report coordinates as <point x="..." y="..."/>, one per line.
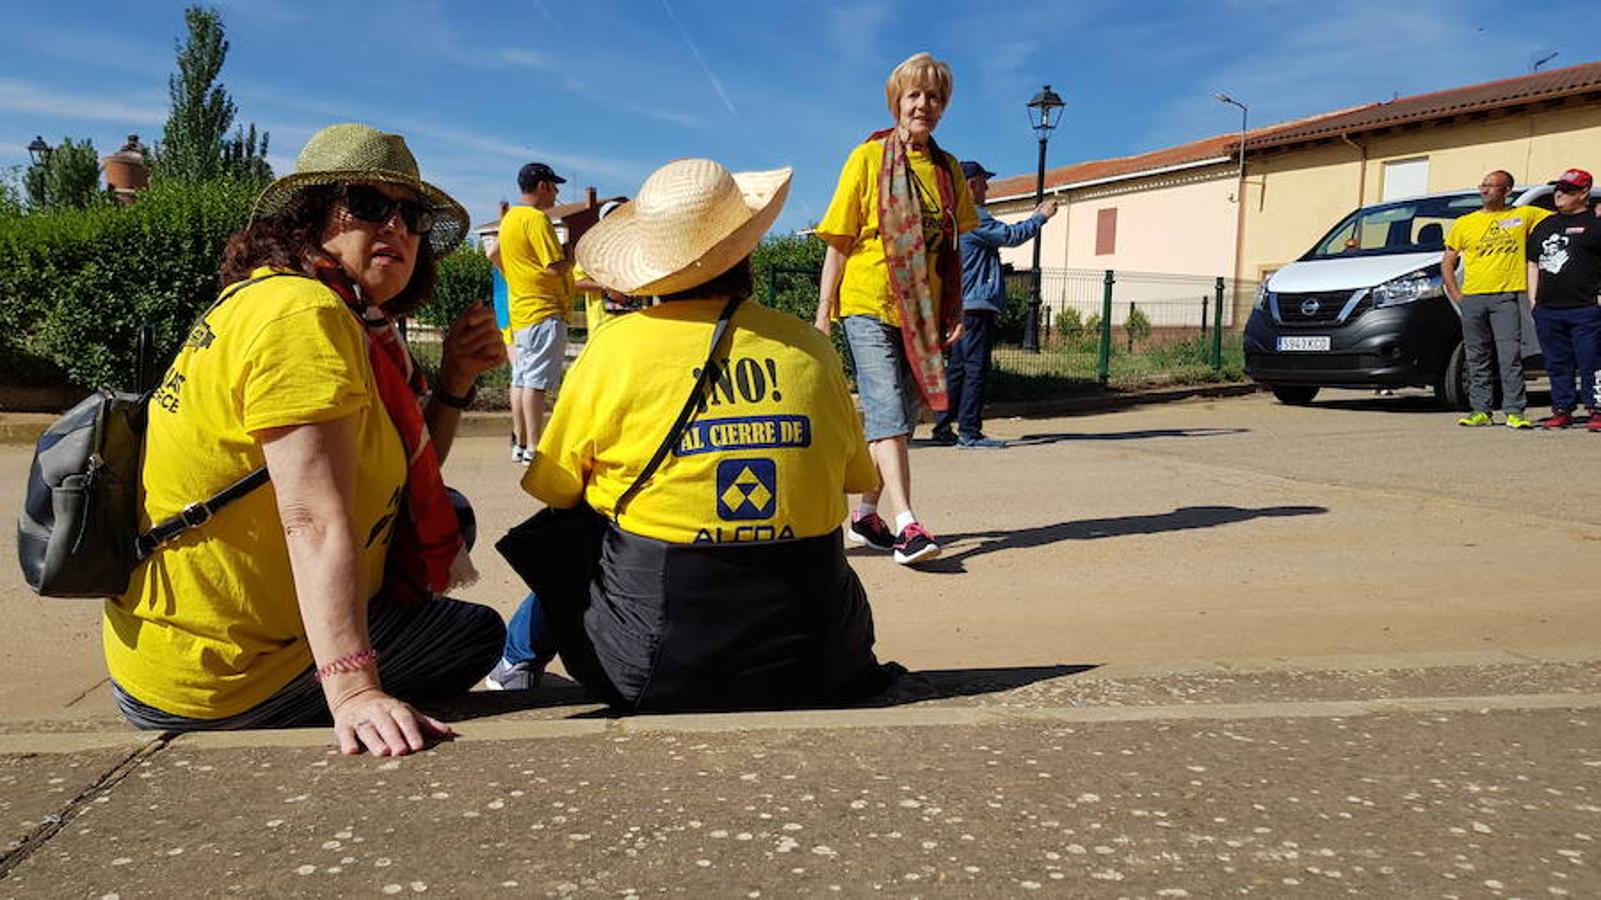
<point x="196" y="514"/>
<point x="707" y="373"/>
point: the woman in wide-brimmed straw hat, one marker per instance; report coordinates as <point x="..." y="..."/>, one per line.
<point x="723" y="581"/>
<point x="286" y="606"/>
<point x="893" y="276"/>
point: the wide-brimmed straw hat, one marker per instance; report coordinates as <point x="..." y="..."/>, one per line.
<point x="691" y="221"/>
<point x="350" y="152"/>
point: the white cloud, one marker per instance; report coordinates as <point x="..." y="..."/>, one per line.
<point x="109" y="52"/>
<point x="852" y="29"/>
<point x="26" y="97"/>
<point x="717" y="84"/>
<point x="1321" y="60"/>
<point x="517" y="56"/>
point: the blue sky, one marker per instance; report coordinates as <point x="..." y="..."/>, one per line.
<point x="606" y="90"/>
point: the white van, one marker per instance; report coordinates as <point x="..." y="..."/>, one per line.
<point x="1365" y="307"/>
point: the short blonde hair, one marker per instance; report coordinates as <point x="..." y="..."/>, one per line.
<point x="918" y="69"/>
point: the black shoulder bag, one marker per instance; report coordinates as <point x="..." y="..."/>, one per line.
<point x="78" y="535"/>
<point x="557" y="551"/>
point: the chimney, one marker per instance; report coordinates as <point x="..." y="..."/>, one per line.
<point x="589" y="197"/>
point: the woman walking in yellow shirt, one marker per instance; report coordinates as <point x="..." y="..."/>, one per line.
<point x="892" y="275"/>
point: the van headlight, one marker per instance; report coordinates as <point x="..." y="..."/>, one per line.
<point x="1419" y="285"/>
<point x="1262" y="295"/>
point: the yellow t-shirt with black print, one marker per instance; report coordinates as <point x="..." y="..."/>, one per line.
<point x="210" y="626"/>
<point x="528" y="248"/>
<point x="1491" y="245"/>
<point x="769" y="456"/>
<point x="853" y="213"/>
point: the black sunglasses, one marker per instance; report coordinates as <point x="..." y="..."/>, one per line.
<point x="369" y="204"/>
<point x="1569" y="188"/>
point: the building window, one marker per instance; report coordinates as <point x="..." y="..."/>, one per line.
<point x="1406" y="178"/>
<point x="1106" y="231"/>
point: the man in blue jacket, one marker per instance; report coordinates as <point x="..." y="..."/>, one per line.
<point x="983" y="296"/>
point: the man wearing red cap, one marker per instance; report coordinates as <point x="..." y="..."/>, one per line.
<point x="1564" y="259"/>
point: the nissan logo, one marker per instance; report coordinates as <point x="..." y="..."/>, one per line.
<point x="1309" y="307"/>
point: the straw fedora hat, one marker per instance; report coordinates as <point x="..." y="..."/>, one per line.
<point x="691" y="222"/>
<point x="349" y="152"/>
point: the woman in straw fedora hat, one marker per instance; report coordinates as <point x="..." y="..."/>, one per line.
<point x="892" y="274"/>
<point x="287" y="606"/>
<point x="722" y="582"/>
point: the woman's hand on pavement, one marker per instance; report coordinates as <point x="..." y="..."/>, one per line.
<point x="472" y="346"/>
<point x="383" y="726"/>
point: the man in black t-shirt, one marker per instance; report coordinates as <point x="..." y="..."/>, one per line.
<point x="1564" y="253"/>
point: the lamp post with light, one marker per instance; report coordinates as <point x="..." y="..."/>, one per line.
<point x="1245" y="115"/>
<point x="1043" y="118"/>
<point x="39" y="151"/>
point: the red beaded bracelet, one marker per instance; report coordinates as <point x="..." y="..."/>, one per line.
<point x="355" y="662"/>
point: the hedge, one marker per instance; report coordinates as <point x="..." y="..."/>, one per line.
<point x="76" y="285"/>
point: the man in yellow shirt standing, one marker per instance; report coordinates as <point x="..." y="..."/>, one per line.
<point x="1490" y="243"/>
<point x="539" y="289"/>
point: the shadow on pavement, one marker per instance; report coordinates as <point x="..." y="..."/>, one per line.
<point x="1411" y="402"/>
<point x="908" y="687"/>
<point x="1144" y="434"/>
<point x="1181" y="519"/>
<point x="1029" y="440"/>
<point x="944" y="684"/>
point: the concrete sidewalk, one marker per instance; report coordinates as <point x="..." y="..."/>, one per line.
<point x="1377" y="782"/>
<point x="1213" y="646"/>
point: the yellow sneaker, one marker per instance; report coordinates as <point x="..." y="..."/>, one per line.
<point x="1513" y="420"/>
<point x="1474" y="420"/>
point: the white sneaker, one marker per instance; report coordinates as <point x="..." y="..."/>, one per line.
<point x="517" y="453"/>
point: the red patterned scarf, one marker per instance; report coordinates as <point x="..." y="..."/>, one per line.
<point x="426" y="553"/>
<point x="925" y="319"/>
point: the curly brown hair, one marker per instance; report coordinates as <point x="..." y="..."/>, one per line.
<point x="292" y="240"/>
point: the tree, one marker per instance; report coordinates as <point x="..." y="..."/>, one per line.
<point x="10" y="195"/>
<point x="69" y="178"/>
<point x="195" y="145"/>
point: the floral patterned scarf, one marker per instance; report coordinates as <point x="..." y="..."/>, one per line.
<point x="925" y="319"/>
<point x="426" y="553"/>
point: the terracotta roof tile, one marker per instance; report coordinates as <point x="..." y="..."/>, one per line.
<point x="1490" y="95"/>
<point x="1555" y="84"/>
<point x="1095" y="170"/>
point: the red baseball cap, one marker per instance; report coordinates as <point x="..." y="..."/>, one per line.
<point x="1575" y="178"/>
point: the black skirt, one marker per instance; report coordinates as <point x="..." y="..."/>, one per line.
<point x="767" y="625"/>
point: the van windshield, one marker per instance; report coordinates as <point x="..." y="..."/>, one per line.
<point x="1405" y="226"/>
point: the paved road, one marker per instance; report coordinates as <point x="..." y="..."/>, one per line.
<point x="1356" y="626"/>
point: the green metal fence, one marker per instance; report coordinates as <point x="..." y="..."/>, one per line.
<point x="1098" y="328"/>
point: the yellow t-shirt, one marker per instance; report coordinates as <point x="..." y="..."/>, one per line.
<point x="1492" y="245"/>
<point x="594" y="303"/>
<point x="210" y="626"/>
<point x="769" y="457"/>
<point x="853" y="213"/>
<point x="528" y="247"/>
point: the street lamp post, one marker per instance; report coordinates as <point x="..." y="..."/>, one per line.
<point x="1043" y="118"/>
<point x="1245" y="115"/>
<point x="38" y="151"/>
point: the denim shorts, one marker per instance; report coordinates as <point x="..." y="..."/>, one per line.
<point x="541" y="353"/>
<point x="891" y="402"/>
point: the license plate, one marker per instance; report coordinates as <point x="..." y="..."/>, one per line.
<point x="1315" y="342"/>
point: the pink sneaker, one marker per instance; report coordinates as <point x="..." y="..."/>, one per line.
<point x="914" y="544"/>
<point x="871" y="531"/>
